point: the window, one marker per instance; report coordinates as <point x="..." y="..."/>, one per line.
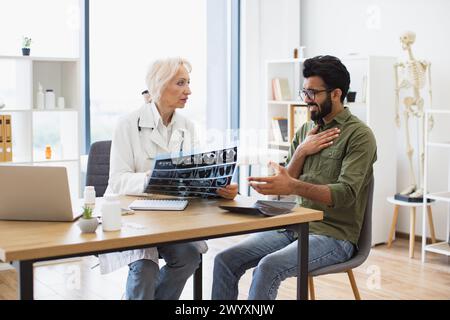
<point x="125" y="36"/>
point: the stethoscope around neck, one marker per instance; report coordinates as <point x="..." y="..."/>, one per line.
<point x="139" y="126"/>
<point x="182" y="133"/>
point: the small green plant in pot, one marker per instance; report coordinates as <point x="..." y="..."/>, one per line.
<point x="87" y="222"/>
<point x="26" y="46"/>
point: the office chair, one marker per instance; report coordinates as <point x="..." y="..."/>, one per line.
<point x="364" y="245"/>
<point x="97" y="174"/>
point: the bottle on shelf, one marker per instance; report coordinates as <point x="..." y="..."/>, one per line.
<point x="61" y="103"/>
<point x="48" y="152"/>
<point x="49" y="99"/>
<point x="40" y="97"/>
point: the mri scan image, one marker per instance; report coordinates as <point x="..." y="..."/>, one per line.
<point x="196" y="175"/>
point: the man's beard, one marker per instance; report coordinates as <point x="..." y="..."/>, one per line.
<point x="323" y="110"/>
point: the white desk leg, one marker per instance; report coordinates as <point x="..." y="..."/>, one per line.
<point x="412" y="231"/>
<point x="431" y="224"/>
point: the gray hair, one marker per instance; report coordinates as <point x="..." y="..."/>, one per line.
<point x="160" y="72"/>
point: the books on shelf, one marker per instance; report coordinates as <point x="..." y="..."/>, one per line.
<point x="298" y="116"/>
<point x="280" y="129"/>
<point x="5" y="138"/>
<point x="280" y="89"/>
<point x="301" y="116"/>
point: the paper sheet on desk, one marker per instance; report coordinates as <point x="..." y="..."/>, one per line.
<point x="134" y="225"/>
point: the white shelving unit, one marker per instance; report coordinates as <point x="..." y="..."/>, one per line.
<point x="372" y="78"/>
<point x="32" y="128"/>
<point x="443" y="196"/>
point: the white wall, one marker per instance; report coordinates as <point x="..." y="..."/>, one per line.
<point x="53" y="26"/>
<point x="270" y="29"/>
<point x="373" y="27"/>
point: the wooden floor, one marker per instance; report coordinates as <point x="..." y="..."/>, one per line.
<point x="387" y="274"/>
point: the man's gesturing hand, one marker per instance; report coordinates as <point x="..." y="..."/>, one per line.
<point x="280" y="184"/>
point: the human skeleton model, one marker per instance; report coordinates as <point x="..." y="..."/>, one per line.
<point x="412" y="74"/>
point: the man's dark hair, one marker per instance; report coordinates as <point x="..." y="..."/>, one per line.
<point x="331" y="70"/>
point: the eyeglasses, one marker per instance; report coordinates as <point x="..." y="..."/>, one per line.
<point x="311" y="93"/>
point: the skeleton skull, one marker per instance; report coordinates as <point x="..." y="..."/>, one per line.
<point x="407" y="39"/>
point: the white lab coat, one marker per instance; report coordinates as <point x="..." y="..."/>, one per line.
<point x="132" y="154"/>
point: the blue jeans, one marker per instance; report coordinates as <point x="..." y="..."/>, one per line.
<point x="146" y="282"/>
<point x="274" y="254"/>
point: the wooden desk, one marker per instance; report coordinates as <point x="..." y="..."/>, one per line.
<point x="24" y="243"/>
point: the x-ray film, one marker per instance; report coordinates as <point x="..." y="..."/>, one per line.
<point x="195" y="175"/>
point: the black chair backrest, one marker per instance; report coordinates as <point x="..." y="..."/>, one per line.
<point x="98" y="166"/>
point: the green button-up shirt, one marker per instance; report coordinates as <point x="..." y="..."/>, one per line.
<point x="346" y="167"/>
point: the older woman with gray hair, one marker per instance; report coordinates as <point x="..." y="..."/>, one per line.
<point x="153" y="129"/>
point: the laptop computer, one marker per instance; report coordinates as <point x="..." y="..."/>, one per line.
<point x="36" y="193"/>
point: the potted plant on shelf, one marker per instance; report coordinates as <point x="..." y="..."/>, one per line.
<point x="26" y="44"/>
<point x="87" y="223"/>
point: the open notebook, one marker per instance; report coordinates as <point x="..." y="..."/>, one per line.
<point x="159" y="204"/>
<point x="264" y="207"/>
